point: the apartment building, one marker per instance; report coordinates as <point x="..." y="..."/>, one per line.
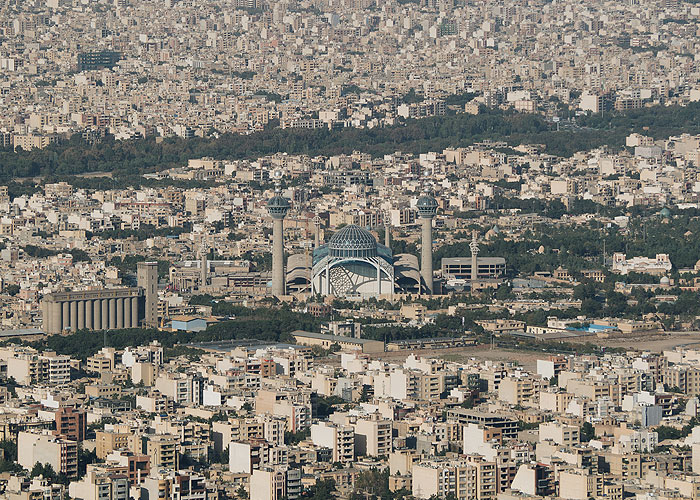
<point x="180" y="388"/>
<point x="595" y="389"/>
<point x="61" y="454"/>
<point x="236" y="429"/>
<point x="294" y="407"/>
<point x="162" y="449"/>
<point x="339" y="438"/>
<point x="275" y="483"/>
<point x="71" y="423"/>
<point x="471" y="478"/>
<point x="156" y="403"/>
<point x="555" y="401"/>
<point x="428" y="386"/>
<point x="103" y="361"/>
<point x="507" y="425"/>
<point x="517" y="390"/>
<point x="24" y="488"/>
<point x="684" y="377"/>
<point x="580" y="484"/>
<point x="561" y="434"/>
<point x="108" y="391"/>
<point x="171" y="485"/>
<point x="108" y="441"/>
<point x="623" y="465"/>
<point x="100" y="485"/>
<point x="29" y="368"/>
<point x="373" y="437"/>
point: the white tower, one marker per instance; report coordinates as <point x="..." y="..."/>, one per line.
<point x="474" y="247"/>
<point x="387" y="231"/>
<point x="317" y="231"/>
<point x="204" y="266"/>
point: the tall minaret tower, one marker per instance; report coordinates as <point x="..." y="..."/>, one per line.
<point x="317" y="231"/>
<point x="387" y="231"/>
<point x="474" y="247"/>
<point x="427" y="208"/>
<point x="204" y="266"/>
<point x="277" y="207"/>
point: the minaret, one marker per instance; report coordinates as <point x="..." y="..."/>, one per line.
<point x="474" y="247"/>
<point x="277" y="207"/>
<point x="427" y="207"/>
<point x="387" y="231"/>
<point x="317" y="231"/>
<point x="203" y="267"/>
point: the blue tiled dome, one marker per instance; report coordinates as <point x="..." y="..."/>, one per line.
<point x="353" y="241"/>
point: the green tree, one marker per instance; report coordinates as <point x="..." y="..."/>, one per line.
<point x="292" y="438"/>
<point x="325" y="405"/>
<point x="587" y="432"/>
<point x="322" y="490"/>
<point x="665" y="432"/>
<point x="85" y="457"/>
<point x="371" y="483"/>
<point x="8" y="463"/>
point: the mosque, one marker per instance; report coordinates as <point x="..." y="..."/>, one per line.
<point x="353" y="264"/>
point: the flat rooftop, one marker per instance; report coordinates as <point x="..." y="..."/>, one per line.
<point x="331" y="338"/>
<point x="468" y="260"/>
<point x="21" y="332"/>
<point x="250" y="344"/>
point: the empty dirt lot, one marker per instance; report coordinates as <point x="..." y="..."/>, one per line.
<point x="656" y="343"/>
<point x="528" y="358"/>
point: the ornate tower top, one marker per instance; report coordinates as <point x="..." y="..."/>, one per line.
<point x="278" y="205"/>
<point x="474" y="245"/>
<point x="427" y="206"/>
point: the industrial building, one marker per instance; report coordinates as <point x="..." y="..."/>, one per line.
<point x="105" y="309"/>
<point x="346" y="343"/>
<point x="92" y="309"/>
<point x="461" y="267"/>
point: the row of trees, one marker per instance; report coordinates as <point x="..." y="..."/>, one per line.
<point x="276" y="323"/>
<point x="136" y="156"/>
<point x="581" y="247"/>
<point x="271" y="324"/>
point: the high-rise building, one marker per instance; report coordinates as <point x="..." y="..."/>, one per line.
<point x="88" y="61"/>
<point x="474" y="248"/>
